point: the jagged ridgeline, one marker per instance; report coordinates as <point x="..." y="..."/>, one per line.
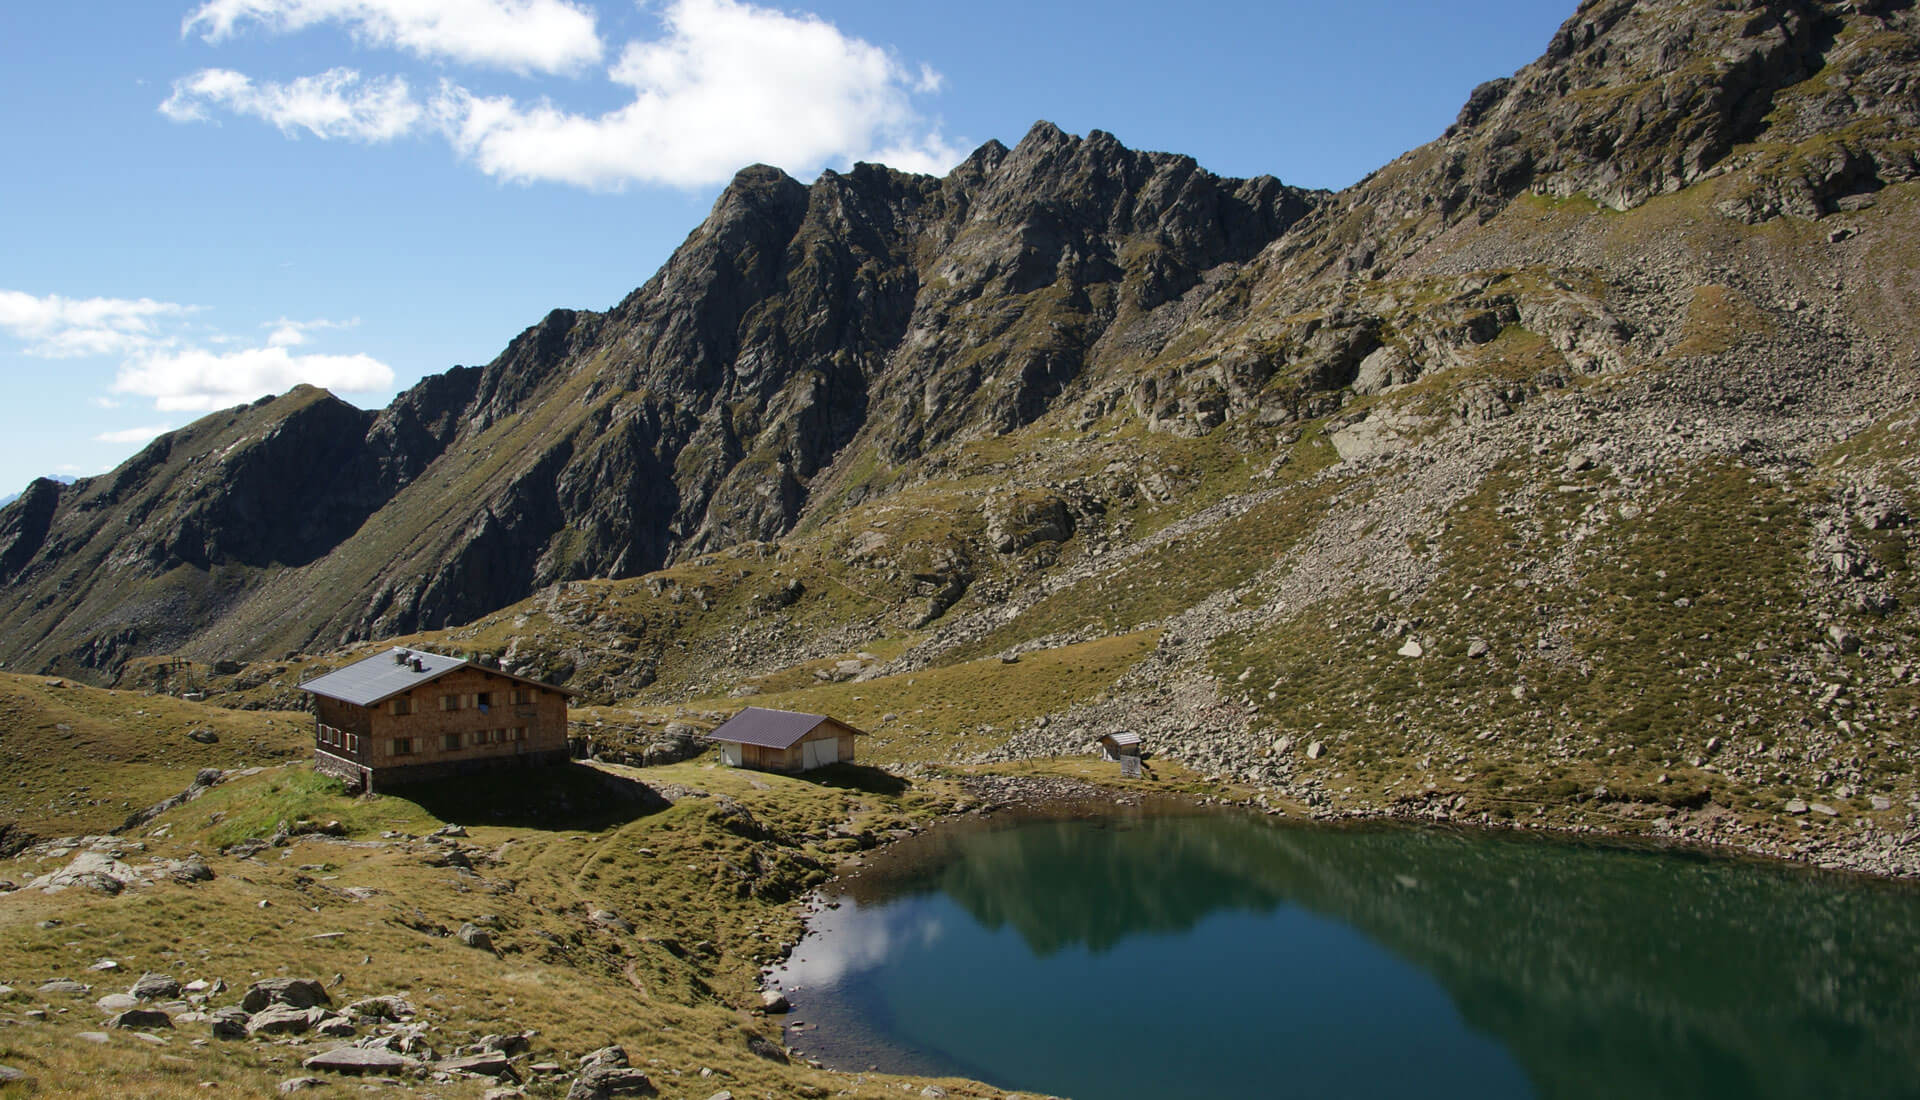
<point x="1069" y="353"/>
<point x="799" y="333"/>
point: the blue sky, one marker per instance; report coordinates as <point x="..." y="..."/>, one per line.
<point x="208" y="201"/>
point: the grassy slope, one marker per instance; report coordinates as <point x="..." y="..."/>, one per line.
<point x="709" y="892"/>
<point x="78" y="759"/>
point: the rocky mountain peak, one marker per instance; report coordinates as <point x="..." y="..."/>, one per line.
<point x="811" y="347"/>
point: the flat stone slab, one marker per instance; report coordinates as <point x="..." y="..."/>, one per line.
<point x="491" y="1064"/>
<point x="359" y="1060"/>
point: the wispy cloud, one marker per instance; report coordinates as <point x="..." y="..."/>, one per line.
<point x="726" y="83"/>
<point x="551" y="36"/>
<point x="134" y="435"/>
<point x="338" y="103"/>
<point x="290" y="334"/>
<point x="199" y="380"/>
<point x="165" y="360"/>
<point x="54" y="327"/>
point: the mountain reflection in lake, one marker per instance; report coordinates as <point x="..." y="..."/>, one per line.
<point x="1157" y="956"/>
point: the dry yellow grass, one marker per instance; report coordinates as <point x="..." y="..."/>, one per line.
<point x="707" y="887"/>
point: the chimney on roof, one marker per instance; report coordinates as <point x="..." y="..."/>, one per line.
<point x="419" y="665"/>
<point x="400" y="656"/>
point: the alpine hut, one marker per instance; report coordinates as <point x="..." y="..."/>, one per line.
<point x="783" y="740"/>
<point x="407" y="715"/>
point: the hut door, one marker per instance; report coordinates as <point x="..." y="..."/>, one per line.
<point x="815" y="753"/>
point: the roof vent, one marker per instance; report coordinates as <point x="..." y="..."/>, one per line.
<point x="400" y="656"/>
<point x="419" y="665"/>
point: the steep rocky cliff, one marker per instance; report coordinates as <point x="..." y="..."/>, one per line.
<point x="901" y="310"/>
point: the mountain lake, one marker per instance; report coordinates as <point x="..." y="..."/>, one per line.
<point x="1155" y="955"/>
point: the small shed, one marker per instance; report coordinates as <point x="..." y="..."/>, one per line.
<point x="1116" y="745"/>
<point x="783" y="740"/>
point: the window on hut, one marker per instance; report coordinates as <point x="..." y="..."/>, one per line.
<point x="403" y="746"/>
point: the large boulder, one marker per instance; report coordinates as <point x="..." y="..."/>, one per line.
<point x="389" y="1007"/>
<point x="284" y="1020"/>
<point x="605" y="1074"/>
<point x="1016" y="521"/>
<point x="190" y="870"/>
<point x="141" y="1019"/>
<point x="292" y="992"/>
<point x="155" y="987"/>
<point x="228" y="1023"/>
<point x="1384" y="369"/>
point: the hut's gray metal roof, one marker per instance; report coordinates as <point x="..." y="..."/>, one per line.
<point x="382" y="676"/>
<point x="769" y="729"/>
<point x="1123" y="737"/>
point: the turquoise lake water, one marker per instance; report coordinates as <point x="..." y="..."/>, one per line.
<point x="1223" y="955"/>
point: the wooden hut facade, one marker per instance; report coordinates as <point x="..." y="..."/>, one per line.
<point x="784" y="740"/>
<point x="408" y="715"/>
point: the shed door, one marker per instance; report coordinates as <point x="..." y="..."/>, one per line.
<point x="815" y="753"/>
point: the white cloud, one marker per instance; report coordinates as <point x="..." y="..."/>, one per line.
<point x="205" y="380"/>
<point x="552" y="36"/>
<point x="727" y="84"/>
<point x="290" y="334"/>
<point x="62" y="328"/>
<point x="165" y="359"/>
<point x="338" y="103"/>
<point x="134" y="435"/>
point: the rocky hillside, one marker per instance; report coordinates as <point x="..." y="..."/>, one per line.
<point x="704" y="410"/>
<point x="1564" y="460"/>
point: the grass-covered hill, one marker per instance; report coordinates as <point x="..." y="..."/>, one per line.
<point x="611" y="917"/>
